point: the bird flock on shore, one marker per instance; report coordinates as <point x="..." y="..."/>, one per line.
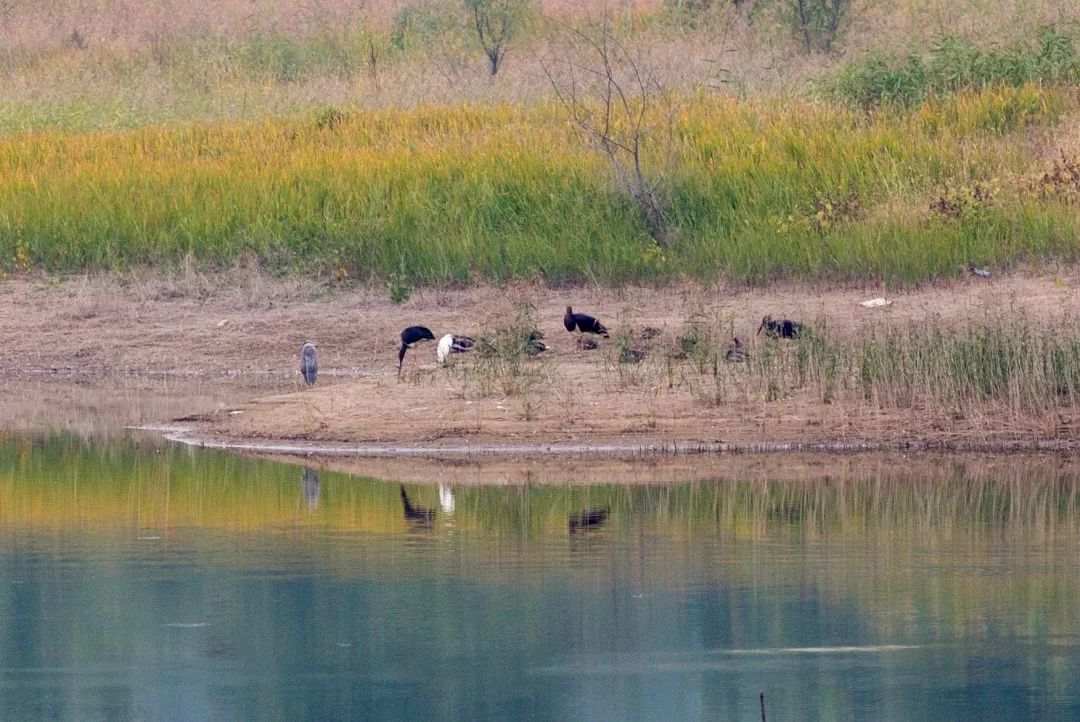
<point x="588" y="329"/>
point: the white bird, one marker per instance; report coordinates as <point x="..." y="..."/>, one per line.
<point x="449" y="344"/>
<point x="446" y="499"/>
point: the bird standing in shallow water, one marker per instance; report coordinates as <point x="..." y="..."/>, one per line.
<point x="784" y="328"/>
<point x="450" y="343"/>
<point x="583" y="323"/>
<point x="410" y="336"/>
<point x="309" y="363"/>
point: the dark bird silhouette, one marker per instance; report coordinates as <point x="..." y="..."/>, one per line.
<point x="309" y="363"/>
<point x="736" y="352"/>
<point x="417" y="514"/>
<point x="533" y="344"/>
<point x="450" y="343"/>
<point x="783" y="328"/>
<point x="583" y="323"/>
<point x="584" y="343"/>
<point x="587" y="519"/>
<point x="410" y="336"/>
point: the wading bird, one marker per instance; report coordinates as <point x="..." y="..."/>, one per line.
<point x="736" y="352"/>
<point x="450" y="343"/>
<point x="783" y="328"/>
<point x="309" y="363"/>
<point x="583" y="323"/>
<point x="410" y="336"/>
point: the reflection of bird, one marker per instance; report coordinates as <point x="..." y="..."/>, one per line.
<point x="736" y="352"/>
<point x="450" y="343"/>
<point x="309" y="363"/>
<point x="446" y="499"/>
<point x="783" y="328"/>
<point x="587" y="519"/>
<point x="583" y="323"/>
<point x="412" y="335"/>
<point x="417" y="514"/>
<point x="309" y="485"/>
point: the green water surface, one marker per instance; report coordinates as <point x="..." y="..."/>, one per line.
<point x="142" y="581"/>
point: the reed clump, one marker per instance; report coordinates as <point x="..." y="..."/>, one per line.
<point x="1010" y="366"/>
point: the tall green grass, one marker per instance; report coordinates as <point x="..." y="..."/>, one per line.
<point x="757" y="190"/>
<point x="953" y="64"/>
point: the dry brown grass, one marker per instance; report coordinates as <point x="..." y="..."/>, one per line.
<point x="71" y="62"/>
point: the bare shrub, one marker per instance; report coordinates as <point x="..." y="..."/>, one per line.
<point x="620" y="107"/>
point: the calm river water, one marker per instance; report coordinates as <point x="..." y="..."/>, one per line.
<point x="141" y="581"/>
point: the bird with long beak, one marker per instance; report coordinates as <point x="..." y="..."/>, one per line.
<point x="584" y="323"/>
<point x="410" y="337"/>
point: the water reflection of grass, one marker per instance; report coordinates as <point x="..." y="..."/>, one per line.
<point x="978" y="548"/>
<point x="58" y="482"/>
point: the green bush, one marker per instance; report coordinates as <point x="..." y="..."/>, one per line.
<point x="954" y="64"/>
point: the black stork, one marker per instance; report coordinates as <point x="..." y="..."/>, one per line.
<point x="309" y="363"/>
<point x="583" y="323"/>
<point x="784" y="328"/>
<point x="410" y="336"/>
<point x="450" y="343"/>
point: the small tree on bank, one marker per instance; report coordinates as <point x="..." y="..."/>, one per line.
<point x="620" y="107"/>
<point x="496" y="22"/>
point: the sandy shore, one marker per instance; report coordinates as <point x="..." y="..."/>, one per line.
<point x="235" y="338"/>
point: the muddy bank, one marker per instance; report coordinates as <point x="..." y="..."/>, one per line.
<point x="646" y="464"/>
<point x="227" y="346"/>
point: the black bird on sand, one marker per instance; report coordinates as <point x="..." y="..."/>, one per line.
<point x="784" y="328"/>
<point x="418" y="514"/>
<point x="584" y="323"/>
<point x="410" y="336"/>
<point x="309" y="363"/>
<point x="587" y="519"/>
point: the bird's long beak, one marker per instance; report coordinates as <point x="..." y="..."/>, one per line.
<point x="759" y="328"/>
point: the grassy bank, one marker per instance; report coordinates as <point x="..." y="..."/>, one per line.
<point x="755" y="189"/>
